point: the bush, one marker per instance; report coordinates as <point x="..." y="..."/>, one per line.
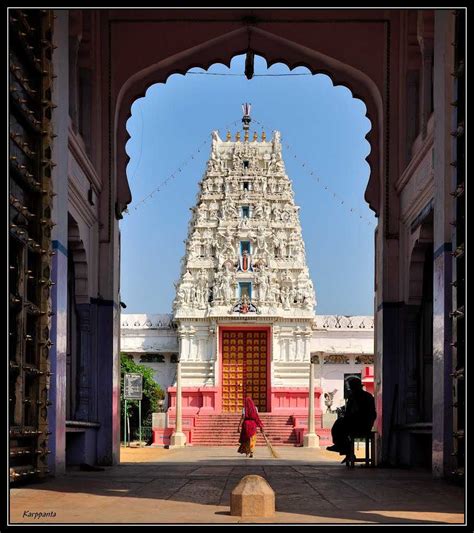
<point x="152" y="392"/>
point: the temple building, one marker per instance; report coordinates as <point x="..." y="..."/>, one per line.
<point x="244" y="310"/>
<point x="343" y="345"/>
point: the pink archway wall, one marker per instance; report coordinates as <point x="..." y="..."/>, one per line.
<point x="144" y="51"/>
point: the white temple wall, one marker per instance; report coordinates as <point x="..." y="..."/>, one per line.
<point x="331" y="376"/>
<point x="347" y="342"/>
<point x="290" y="354"/>
<point x="197" y="353"/>
<point x="341" y="339"/>
<point x="164" y="373"/>
<point x="145" y="337"/>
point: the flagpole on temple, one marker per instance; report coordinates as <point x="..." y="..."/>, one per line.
<point x="246" y="120"/>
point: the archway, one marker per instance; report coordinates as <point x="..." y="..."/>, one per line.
<point x="162" y="126"/>
<point x="80" y="402"/>
<point x="273" y="49"/>
<point x="363" y="67"/>
<point x="414" y="433"/>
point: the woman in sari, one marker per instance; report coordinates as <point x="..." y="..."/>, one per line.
<point x="248" y="424"/>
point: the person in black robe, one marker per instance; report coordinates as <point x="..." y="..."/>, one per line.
<point x="358" y="418"/>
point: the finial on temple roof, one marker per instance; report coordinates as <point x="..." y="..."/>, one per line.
<point x="246" y="118"/>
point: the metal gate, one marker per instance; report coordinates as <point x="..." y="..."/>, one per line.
<point x="459" y="265"/>
<point x="30" y="106"/>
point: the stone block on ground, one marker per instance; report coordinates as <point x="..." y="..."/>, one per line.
<point x="252" y="497"/>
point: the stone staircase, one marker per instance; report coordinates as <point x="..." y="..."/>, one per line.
<point x="221" y="430"/>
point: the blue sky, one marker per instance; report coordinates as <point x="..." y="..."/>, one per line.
<point x="324" y="127"/>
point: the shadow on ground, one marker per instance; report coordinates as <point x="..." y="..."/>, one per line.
<point x="186" y="489"/>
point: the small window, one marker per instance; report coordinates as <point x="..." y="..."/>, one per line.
<point x="246" y="185"/>
<point x="246" y="164"/>
<point x="244" y="247"/>
<point x="245" y="289"/>
<point x="245" y="211"/>
<point x="152" y="358"/>
<point x="174" y="358"/>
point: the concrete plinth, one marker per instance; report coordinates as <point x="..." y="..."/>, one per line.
<point x="311" y="440"/>
<point x="177" y="440"/>
<point x="252" y="497"/>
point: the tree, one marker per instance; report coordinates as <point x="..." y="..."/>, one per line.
<point x="152" y="392"/>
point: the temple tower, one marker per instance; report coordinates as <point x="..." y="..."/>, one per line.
<point x="244" y="302"/>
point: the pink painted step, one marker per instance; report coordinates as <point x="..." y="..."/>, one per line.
<point x="221" y="430"/>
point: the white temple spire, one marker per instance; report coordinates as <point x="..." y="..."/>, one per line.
<point x="245" y="236"/>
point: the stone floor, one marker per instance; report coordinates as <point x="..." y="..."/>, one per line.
<point x="193" y="485"/>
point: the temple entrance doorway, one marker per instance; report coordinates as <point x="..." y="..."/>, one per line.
<point x="245" y="357"/>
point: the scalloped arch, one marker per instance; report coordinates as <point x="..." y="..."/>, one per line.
<point x="274" y="49"/>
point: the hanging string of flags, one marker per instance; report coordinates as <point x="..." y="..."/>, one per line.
<point x="178" y="171"/>
<point x="336" y="196"/>
<point x="309" y="170"/>
<point x="163" y="183"/>
<point x="255" y="75"/>
<point x="304" y="165"/>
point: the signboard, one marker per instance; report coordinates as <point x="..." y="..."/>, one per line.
<point x="132" y="387"/>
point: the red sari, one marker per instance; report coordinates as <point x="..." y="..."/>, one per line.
<point x="248" y="433"/>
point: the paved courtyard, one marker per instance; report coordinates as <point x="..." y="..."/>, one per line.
<point x="193" y="485"/>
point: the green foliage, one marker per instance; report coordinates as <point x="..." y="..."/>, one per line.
<point x="152" y="392"/>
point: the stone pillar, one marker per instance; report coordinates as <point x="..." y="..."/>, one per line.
<point x="311" y="440"/>
<point x="444" y="154"/>
<point x="58" y="334"/>
<point x="212" y="347"/>
<point x="108" y="370"/>
<point x="178" y="438"/>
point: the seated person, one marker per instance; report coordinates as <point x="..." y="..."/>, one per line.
<point x="358" y="418"/>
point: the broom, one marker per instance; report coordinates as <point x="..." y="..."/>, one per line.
<point x="270" y="447"/>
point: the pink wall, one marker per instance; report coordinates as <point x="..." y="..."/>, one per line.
<point x="196" y="400"/>
<point x="368" y="379"/>
<point x="289" y="401"/>
<point x="207" y="400"/>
